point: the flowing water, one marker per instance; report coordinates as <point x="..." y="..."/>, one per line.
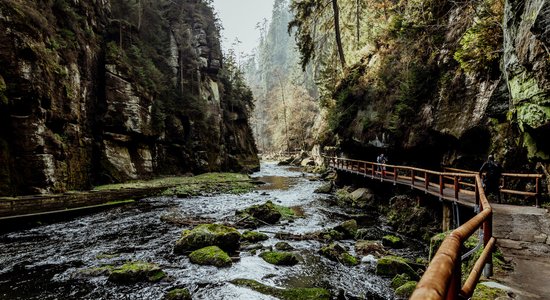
<point x="50" y="262"/>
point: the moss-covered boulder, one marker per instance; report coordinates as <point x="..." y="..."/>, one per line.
<point x="285" y="294"/>
<point x="280" y="258"/>
<point x="393" y="265"/>
<point x="331" y="235"/>
<point x="369" y="247"/>
<point x="324" y="189"/>
<point x="392" y="241"/>
<point x="210" y="256"/>
<point x="343" y="198"/>
<point x="227" y="238"/>
<point x="483" y="291"/>
<point x="261" y="214"/>
<point x="406" y="290"/>
<point x="336" y="252"/>
<point x="254" y="236"/>
<point x="135" y="272"/>
<point x="347" y="228"/>
<point x="178" y="294"/>
<point x="283" y="246"/>
<point x="399" y="280"/>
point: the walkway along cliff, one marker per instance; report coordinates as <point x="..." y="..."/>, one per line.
<point x="106" y="91"/>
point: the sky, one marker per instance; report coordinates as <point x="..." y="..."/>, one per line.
<point x="239" y="19"/>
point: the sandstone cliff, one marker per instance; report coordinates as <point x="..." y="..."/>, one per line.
<point x="449" y="83"/>
<point x="95" y="91"/>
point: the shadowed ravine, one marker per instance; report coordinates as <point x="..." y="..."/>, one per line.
<point x="50" y="262"/>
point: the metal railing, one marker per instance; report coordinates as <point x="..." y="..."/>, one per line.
<point x="442" y="279"/>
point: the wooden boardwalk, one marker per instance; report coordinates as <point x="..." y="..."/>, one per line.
<point x="464" y="197"/>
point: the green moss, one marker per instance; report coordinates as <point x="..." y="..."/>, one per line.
<point x="484" y="292"/>
<point x="212" y="255"/>
<point x="349" y="260"/>
<point x="399" y="280"/>
<point x="280" y="258"/>
<point x="286" y="212"/>
<point x="347" y="228"/>
<point x="136" y="271"/>
<point x="392" y="241"/>
<point x="178" y="294"/>
<point x="285" y="294"/>
<point x="406" y="289"/>
<point x="253" y="236"/>
<point x="393" y="265"/>
<point x="98" y="271"/>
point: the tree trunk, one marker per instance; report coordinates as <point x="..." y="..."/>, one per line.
<point x="337" y="32"/>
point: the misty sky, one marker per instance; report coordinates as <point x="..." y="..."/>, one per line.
<point x="239" y="19"/>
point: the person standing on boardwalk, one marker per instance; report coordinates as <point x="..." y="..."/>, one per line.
<point x="491" y="181"/>
<point x="382" y="159"/>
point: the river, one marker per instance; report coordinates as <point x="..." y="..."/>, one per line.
<point x="49" y="261"/>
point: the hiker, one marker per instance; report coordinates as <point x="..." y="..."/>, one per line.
<point x="382" y="159"/>
<point x="491" y="181"/>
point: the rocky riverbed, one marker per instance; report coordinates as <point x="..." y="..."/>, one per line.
<point x="75" y="259"/>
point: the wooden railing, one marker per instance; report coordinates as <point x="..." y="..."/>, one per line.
<point x="442" y="279"/>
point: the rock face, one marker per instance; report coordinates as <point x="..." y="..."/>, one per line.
<point x="454" y="93"/>
<point x="104" y="91"/>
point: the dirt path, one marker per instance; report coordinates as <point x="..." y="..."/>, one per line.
<point x="523" y="235"/>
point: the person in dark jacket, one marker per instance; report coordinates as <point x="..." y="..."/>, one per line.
<point x="491" y="181"/>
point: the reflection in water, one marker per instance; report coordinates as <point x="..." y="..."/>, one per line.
<point x="50" y="262"/>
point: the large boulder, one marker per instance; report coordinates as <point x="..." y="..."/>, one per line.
<point x="393" y="265"/>
<point x="211" y="256"/>
<point x="347" y="228"/>
<point x="135" y="272"/>
<point x="361" y="197"/>
<point x="265" y="213"/>
<point x="369" y="248"/>
<point x="226" y="238"/>
<point x="336" y="252"/>
<point x="280" y="258"/>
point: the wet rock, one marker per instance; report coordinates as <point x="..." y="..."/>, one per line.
<point x="254" y="236"/>
<point x="324" y="189"/>
<point x="369" y="247"/>
<point x="286" y="162"/>
<point x="227" y="238"/>
<point x="411" y="220"/>
<point x="362" y="198"/>
<point x="280" y="258"/>
<point x="393" y="265"/>
<point x="178" y="294"/>
<point x="211" y="256"/>
<point x="332" y="235"/>
<point x="135" y="272"/>
<point x="399" y="280"/>
<point x="374" y="233"/>
<point x="285" y="294"/>
<point x="392" y="241"/>
<point x="260" y="214"/>
<point x="347" y="228"/>
<point x="406" y="290"/>
<point x="283" y="246"/>
<point x="336" y="252"/>
<point x="252" y="247"/>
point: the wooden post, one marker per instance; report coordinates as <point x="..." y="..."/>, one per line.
<point x="476" y="190"/>
<point x="537" y="191"/>
<point x="394" y="175"/>
<point x="441" y="185"/>
<point x="447" y="216"/>
<point x="426" y="182"/>
<point x="487" y="234"/>
<point x="372" y="170"/>
<point x="412" y="178"/>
